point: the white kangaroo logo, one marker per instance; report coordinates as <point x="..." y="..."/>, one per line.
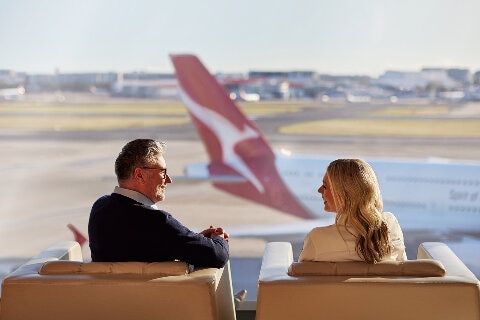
<point x="228" y="135"/>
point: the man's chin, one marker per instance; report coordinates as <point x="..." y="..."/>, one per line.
<point x="160" y="198"/>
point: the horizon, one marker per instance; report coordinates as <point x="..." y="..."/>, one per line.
<point x="341" y="38"/>
<point x="238" y="72"/>
<point x="472" y="72"/>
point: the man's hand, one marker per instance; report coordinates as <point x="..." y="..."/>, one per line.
<point x="215" y="232"/>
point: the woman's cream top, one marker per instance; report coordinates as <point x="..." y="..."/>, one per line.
<point x="335" y="243"/>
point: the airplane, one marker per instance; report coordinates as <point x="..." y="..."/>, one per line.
<point x="432" y="194"/>
<point x="10" y="94"/>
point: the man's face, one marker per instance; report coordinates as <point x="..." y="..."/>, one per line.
<point x="156" y="179"/>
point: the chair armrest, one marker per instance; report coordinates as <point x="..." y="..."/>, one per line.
<point x="65" y="250"/>
<point x="277" y="258"/>
<point x="441" y="252"/>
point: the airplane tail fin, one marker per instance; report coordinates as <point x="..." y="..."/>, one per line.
<point x="235" y="145"/>
<point x="79" y="237"/>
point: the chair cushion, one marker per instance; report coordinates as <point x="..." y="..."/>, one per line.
<point x="411" y="268"/>
<point x="160" y="269"/>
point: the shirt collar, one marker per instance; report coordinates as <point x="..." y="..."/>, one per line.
<point x="135" y="195"/>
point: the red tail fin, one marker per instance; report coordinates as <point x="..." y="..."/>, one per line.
<point x="234" y="143"/>
<point x="79" y="237"/>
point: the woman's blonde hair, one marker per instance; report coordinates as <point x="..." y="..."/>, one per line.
<point x="359" y="206"/>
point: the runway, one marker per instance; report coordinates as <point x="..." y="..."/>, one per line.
<point x="51" y="178"/>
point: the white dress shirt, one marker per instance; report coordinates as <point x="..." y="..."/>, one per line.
<point x="135" y="195"/>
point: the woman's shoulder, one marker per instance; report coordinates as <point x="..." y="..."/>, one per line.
<point x="392" y="223"/>
<point x="323" y="230"/>
<point x="389" y="217"/>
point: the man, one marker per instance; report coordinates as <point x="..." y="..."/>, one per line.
<point x="127" y="225"/>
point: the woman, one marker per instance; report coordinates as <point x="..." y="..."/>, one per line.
<point x="362" y="231"/>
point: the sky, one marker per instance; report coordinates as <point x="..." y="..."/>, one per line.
<point x="355" y="37"/>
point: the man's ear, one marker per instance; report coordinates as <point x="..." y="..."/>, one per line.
<point x="138" y="174"/>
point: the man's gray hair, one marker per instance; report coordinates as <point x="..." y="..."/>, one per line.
<point x="137" y="153"/>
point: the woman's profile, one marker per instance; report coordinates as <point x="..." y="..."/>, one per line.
<point x="362" y="231"/>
